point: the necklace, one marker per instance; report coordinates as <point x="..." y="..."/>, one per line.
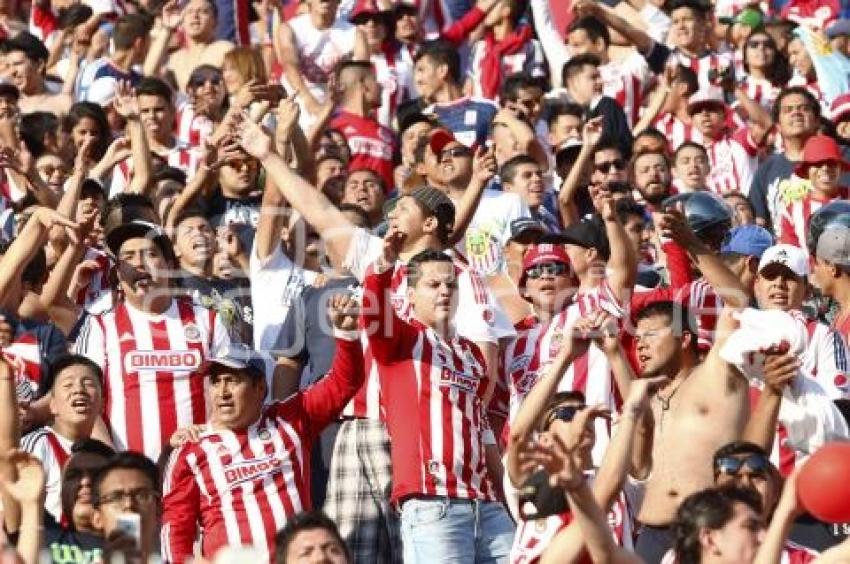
<point x="665" y="402"/>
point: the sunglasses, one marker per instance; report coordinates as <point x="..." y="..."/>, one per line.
<point x="546" y="269"/>
<point x="606" y="166"/>
<point x="201" y="80"/>
<point x="756" y="44"/>
<point x="731" y="465"/>
<point x="456" y="152"/>
<point x="565" y="413"/>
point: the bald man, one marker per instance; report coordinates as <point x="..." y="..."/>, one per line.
<point x="372" y="145"/>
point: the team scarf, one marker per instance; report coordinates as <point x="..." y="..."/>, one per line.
<point x="491" y="63"/>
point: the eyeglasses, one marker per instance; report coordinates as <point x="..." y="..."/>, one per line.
<point x="139" y="496"/>
<point x="201" y="80"/>
<point x="456" y="152"/>
<point x="606" y="166"/>
<point x="546" y="269"/>
<point x="754" y="44"/>
<point x="731" y="465"/>
<point x="565" y="413"/>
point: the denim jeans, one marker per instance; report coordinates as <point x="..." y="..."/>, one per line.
<point x="453" y="530"/>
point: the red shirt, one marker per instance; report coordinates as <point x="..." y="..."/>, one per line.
<point x="372" y="145"/>
<point x="242" y="486"/>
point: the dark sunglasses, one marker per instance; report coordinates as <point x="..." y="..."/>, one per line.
<point x="618" y="164"/>
<point x="546" y="269"/>
<point x="731" y="465"/>
<point x="456" y="152"/>
<point x="197" y="81"/>
<point x="565" y="413"/>
<point x="754" y="44"/>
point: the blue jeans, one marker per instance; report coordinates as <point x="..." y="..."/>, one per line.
<point x="453" y="530"/>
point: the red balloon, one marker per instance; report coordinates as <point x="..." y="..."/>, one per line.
<point x="823" y="484"/>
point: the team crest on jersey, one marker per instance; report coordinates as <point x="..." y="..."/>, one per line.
<point x="435" y="468"/>
<point x="519" y="363"/>
<point x="166" y="361"/>
<point x="191" y="332"/>
<point x="264" y="435"/>
<point x="555" y="343"/>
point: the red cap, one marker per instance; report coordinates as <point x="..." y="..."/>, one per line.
<point x="840" y="107"/>
<point x="542" y="253"/>
<point x="364" y="8"/>
<point x="820" y="149"/>
<point x="441" y="137"/>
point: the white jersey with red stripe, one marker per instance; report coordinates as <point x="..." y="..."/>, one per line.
<point x="761" y="91"/>
<point x="705" y="65"/>
<point x="242" y="486"/>
<point x="23" y="354"/>
<point x="432" y="390"/>
<point x="96" y="297"/>
<point x="180" y="156"/>
<point x="394" y="72"/>
<point x="532" y="537"/>
<point x="535" y="348"/>
<point x="150" y="363"/>
<point x="794" y="221"/>
<point x="734" y="160"/>
<point x="192" y="128"/>
<point x="792" y="553"/>
<point x="676" y="131"/>
<point x="53" y="451"/>
<point x="814" y="87"/>
<point x="625" y="80"/>
<point x="528" y="60"/>
<point x="479" y="322"/>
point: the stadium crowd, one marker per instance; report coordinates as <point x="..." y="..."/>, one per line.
<point x="422" y="281"/>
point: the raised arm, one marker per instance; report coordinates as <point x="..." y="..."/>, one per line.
<point x="169" y="20"/>
<point x="461" y="29"/>
<point x="318" y="211"/>
<point x="591" y="133"/>
<point x="287" y="53"/>
<point x="483" y="169"/>
<point x="622" y="264"/>
<point x="181" y="500"/>
<point x="27" y="491"/>
<point x="779" y="371"/>
<point x="609" y="17"/>
<point x="553" y="44"/>
<point x="127" y="105"/>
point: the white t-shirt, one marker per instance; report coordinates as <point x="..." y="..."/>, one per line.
<point x="275" y="283"/>
<point x="490" y="229"/>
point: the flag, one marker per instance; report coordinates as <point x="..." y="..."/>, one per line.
<point x="832" y="68"/>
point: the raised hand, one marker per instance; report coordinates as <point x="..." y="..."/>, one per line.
<point x="344" y="310"/>
<point x="126" y="103"/>
<point x="50" y="218"/>
<point x="254" y="140"/>
<point x="270" y="92"/>
<point x="672" y="224"/>
<point x="288" y="113"/>
<point x="393" y="242"/>
<point x="172" y="15"/>
<point x="640" y="391"/>
<point x="186" y="434"/>
<point x="484" y="165"/>
<point x="557" y="457"/>
<point x="780" y="369"/>
<point x="591" y="132"/>
<point x="28" y="488"/>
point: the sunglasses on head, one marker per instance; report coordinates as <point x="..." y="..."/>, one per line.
<point x="546" y="269"/>
<point x="617" y="164"/>
<point x="731" y="465"/>
<point x="565" y="413"/>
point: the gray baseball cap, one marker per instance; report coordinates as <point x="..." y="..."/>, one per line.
<point x="834" y="246"/>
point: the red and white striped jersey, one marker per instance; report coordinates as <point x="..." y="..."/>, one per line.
<point x="432" y="390"/>
<point x="794" y="220"/>
<point x="372" y="145"/>
<point x="479" y="323"/>
<point x="53" y="451"/>
<point x="734" y="160"/>
<point x="676" y="131"/>
<point x="812" y="86"/>
<point x="180" y="156"/>
<point x="241" y="486"/>
<point x="625" y="81"/>
<point x="529" y="60"/>
<point x="761" y="91"/>
<point x="704" y="65"/>
<point x="191" y="129"/>
<point x="394" y="72"/>
<point x="96" y="297"/>
<point x="534" y="536"/>
<point x="150" y="363"/>
<point x="536" y="346"/>
<point x="24" y="356"/>
<point x="825" y="359"/>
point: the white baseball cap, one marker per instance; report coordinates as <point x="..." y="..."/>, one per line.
<point x="789" y="256"/>
<point x="102" y="91"/>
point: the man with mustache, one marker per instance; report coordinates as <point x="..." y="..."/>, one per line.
<point x="150" y="345"/>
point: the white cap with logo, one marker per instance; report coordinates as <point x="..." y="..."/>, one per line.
<point x="789" y="256"/>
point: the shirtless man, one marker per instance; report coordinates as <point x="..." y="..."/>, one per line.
<point x="199" y="22"/>
<point x="26" y="59"/>
<point x="704" y="406"/>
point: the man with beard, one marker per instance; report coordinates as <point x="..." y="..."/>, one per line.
<point x="703" y="406"/>
<point x="151" y="344"/>
<point x="652" y="178"/>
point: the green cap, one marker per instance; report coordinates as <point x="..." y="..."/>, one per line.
<point x="748" y="16"/>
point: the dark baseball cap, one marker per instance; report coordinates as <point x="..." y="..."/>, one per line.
<point x="588" y="233"/>
<point x="138" y="229"/>
<point x="526" y="226"/>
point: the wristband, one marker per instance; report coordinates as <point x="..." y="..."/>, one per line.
<point x="346" y="335"/>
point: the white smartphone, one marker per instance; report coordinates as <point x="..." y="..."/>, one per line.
<point x="131" y="525"/>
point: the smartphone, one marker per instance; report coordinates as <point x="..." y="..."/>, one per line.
<point x="131" y="525"/>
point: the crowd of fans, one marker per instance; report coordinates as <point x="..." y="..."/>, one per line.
<point x="383" y="281"/>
